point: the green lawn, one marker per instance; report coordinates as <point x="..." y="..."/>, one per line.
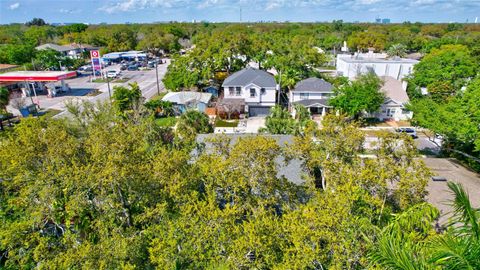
<point x="158" y="97"/>
<point x="166" y="121"/>
<point x="121" y="80"/>
<point x="223" y="123"/>
<point x="99" y="80"/>
<point x="94" y="92"/>
<point x="50" y="113"/>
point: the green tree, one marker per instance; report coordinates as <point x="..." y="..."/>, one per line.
<point x="193" y="122"/>
<point x="126" y="100"/>
<point x="4" y="99"/>
<point x="36" y="22"/>
<point x="451" y="64"/>
<point x="456" y="119"/>
<point x="361" y="95"/>
<point x="160" y="107"/>
<point x="279" y="121"/>
<point x="50" y="60"/>
<point x="16" y="54"/>
<point x="364" y="40"/>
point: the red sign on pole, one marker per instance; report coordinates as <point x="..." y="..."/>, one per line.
<point x="94" y="54"/>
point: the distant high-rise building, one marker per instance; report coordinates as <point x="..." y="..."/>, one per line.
<point x="383" y="21"/>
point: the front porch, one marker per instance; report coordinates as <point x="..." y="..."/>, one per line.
<point x="316" y="107"/>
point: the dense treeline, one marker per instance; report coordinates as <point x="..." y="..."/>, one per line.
<point x="154" y="37"/>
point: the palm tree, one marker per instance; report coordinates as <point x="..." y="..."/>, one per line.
<point x="406" y="243"/>
<point x="398" y="50"/>
<point x="459" y="247"/>
<point x="401" y="244"/>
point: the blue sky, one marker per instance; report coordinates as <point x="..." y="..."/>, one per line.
<point x="121" y="11"/>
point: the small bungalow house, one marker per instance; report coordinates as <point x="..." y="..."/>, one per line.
<point x="182" y="101"/>
<point x="313" y="93"/>
<point x="395" y="100"/>
<point x="255" y="89"/>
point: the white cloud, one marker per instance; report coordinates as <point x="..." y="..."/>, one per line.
<point x="273" y="4"/>
<point x="209" y="3"/>
<point x="14" y="6"/>
<point x="134" y="5"/>
<point x="368" y="2"/>
<point x="69" y="11"/>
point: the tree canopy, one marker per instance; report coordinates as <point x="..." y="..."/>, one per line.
<point x="101" y="191"/>
<point x="450" y="65"/>
<point x="361" y="95"/>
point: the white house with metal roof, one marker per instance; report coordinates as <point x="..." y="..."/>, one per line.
<point x="312" y="93"/>
<point x="255" y="88"/>
<point x="351" y="66"/>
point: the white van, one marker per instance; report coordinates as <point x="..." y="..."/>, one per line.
<point x="112" y="73"/>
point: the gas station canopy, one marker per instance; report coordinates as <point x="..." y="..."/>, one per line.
<point x="36" y="76"/>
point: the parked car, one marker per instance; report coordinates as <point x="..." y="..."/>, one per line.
<point x="85" y="69"/>
<point x="132" y="67"/>
<point x="409" y="131"/>
<point x="123" y="67"/>
<point x="112" y="73"/>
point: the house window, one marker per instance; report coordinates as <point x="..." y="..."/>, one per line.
<point x="230" y="91"/>
<point x="262" y="91"/>
<point x="303" y="95"/>
<point x="253" y="93"/>
<point x="391" y="112"/>
<point x="238" y="91"/>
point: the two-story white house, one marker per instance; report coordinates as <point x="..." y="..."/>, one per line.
<point x="313" y="93"/>
<point x="351" y="66"/>
<point x="253" y="88"/>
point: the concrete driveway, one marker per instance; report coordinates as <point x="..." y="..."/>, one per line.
<point x="439" y="193"/>
<point x="254" y="123"/>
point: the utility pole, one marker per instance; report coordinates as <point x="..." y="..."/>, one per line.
<point x="156" y="73"/>
<point x="108" y="85"/>
<point x="279" y="86"/>
<point x="240" y="14"/>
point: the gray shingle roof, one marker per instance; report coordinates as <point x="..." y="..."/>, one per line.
<point x="313" y="85"/>
<point x="58" y="48"/>
<point x="250" y="75"/>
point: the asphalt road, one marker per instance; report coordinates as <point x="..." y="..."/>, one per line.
<point x="146" y="80"/>
<point x="423" y="144"/>
<point x="438" y="192"/>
